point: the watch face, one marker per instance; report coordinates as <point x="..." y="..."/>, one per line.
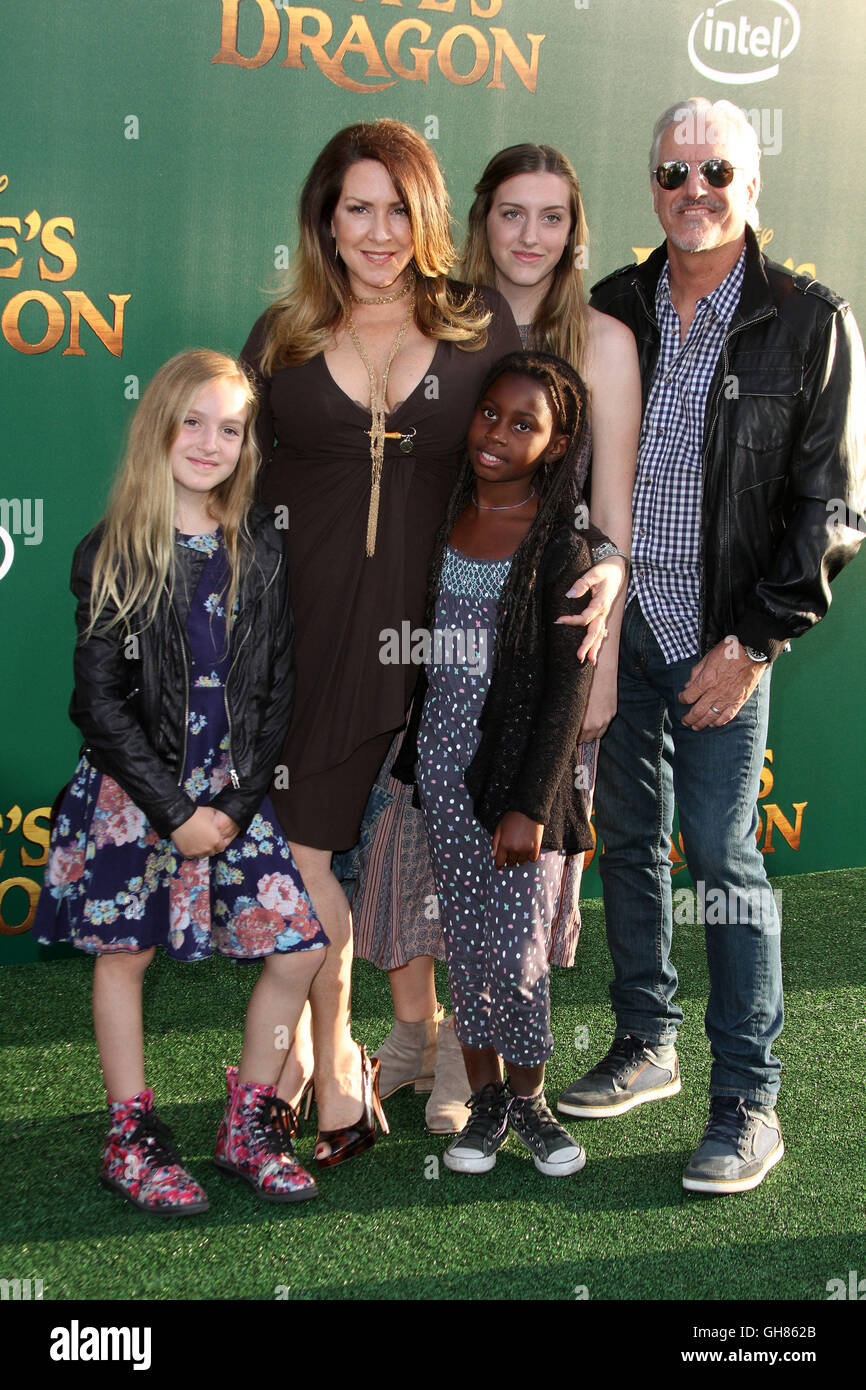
<point x="754" y="655"/>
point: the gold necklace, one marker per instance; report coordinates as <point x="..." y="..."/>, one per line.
<point x="388" y="298"/>
<point x="378" y="434"/>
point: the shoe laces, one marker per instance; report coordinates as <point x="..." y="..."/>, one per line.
<point x="729" y="1120"/>
<point x="535" y="1114"/>
<point x="277" y="1123"/>
<point x="157" y="1140"/>
<point x="484" y="1103"/>
<point x="623" y="1051"/>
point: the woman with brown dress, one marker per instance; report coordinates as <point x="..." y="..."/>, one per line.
<point x="368" y="368"/>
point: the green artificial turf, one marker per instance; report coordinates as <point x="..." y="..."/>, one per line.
<point x="395" y="1223"/>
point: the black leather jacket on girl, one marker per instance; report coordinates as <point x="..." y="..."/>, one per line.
<point x="131" y="696"/>
<point x="783" y="453"/>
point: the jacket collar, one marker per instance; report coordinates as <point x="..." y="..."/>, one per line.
<point x="756" y="299"/>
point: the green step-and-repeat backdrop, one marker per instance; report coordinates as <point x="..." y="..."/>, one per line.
<point x="151" y="155"/>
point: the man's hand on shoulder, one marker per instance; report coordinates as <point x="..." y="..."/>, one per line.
<point x="720" y="685"/>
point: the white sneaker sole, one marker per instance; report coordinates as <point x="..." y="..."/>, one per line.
<point x="463" y="1164"/>
<point x="470" y="1165"/>
<point x="554" y="1170"/>
<point x="598" y="1112"/>
<point x="725" y="1185"/>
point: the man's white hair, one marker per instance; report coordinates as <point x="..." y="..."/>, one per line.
<point x="701" y="120"/>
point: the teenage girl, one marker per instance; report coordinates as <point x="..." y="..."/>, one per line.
<point x="184" y="678"/>
<point x="496" y="744"/>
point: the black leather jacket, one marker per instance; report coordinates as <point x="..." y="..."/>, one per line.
<point x="131" y="697"/>
<point x="783" y="447"/>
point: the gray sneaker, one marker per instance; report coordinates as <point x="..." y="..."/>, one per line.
<point x="741" y="1143"/>
<point x="553" y="1150"/>
<point x="474" y="1150"/>
<point x="632" y="1072"/>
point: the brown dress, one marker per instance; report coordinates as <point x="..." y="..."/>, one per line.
<point x="316" y="452"/>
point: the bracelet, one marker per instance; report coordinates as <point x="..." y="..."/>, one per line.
<point x="608" y="549"/>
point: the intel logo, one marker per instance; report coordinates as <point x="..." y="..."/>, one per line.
<point x="726" y="46"/>
<point x="8" y="547"/>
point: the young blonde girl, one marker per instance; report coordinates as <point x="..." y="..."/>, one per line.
<point x="184" y="679"/>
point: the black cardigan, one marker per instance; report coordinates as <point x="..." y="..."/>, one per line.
<point x="534" y="708"/>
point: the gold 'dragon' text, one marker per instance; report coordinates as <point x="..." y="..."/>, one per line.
<point x="463" y="52"/>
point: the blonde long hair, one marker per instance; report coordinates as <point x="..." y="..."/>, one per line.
<point x="561" y="323"/>
<point x="134" y="564"/>
<point x="302" y="321"/>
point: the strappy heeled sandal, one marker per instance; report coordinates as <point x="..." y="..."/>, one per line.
<point x="356" y="1138"/>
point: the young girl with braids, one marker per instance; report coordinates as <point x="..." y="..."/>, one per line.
<point x="496" y="744"/>
<point x="526" y="236"/>
<point x="184" y="679"/>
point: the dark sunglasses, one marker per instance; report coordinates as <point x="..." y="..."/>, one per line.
<point x="718" y="173"/>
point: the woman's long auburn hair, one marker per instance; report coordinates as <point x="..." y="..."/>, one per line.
<point x="561" y="321"/>
<point x="134" y="564"/>
<point x="302" y="321"/>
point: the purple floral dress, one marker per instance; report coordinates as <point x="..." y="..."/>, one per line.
<point x="112" y="884"/>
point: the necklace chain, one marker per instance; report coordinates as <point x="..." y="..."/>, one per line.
<point x="510" y="508"/>
<point x="377" y="417"/>
<point x="387" y="298"/>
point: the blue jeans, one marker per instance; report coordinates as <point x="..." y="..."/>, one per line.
<point x="647" y="758"/>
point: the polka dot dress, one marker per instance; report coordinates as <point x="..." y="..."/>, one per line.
<point x="496" y="922"/>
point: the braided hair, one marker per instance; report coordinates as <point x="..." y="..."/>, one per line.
<point x="555" y="483"/>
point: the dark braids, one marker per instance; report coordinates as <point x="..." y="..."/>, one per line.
<point x="555" y="483"/>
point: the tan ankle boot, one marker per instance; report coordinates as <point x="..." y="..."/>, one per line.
<point x="408" y="1055"/>
<point x="446" y="1111"/>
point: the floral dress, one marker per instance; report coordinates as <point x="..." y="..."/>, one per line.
<point x="113" y="884"/>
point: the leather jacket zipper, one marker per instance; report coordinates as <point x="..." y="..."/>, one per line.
<point x="233" y="774"/>
<point x="705" y="455"/>
<point x="186" y="688"/>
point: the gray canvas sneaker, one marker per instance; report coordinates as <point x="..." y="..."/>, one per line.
<point x="741" y="1143"/>
<point x="474" y="1150"/>
<point x="632" y="1073"/>
<point x="553" y="1150"/>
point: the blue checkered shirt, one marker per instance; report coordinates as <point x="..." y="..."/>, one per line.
<point x="666" y="544"/>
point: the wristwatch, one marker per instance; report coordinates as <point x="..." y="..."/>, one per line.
<point x="754" y="655"/>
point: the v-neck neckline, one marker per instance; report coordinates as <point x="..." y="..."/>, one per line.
<point x="365" y="409"/>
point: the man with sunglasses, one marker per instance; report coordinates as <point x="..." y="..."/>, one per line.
<point x="752" y="445"/>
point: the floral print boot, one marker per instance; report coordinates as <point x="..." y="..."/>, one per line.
<point x="254" y="1141"/>
<point x="140" y="1161"/>
<point x="294" y="1123"/>
<point x="223" y="1130"/>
